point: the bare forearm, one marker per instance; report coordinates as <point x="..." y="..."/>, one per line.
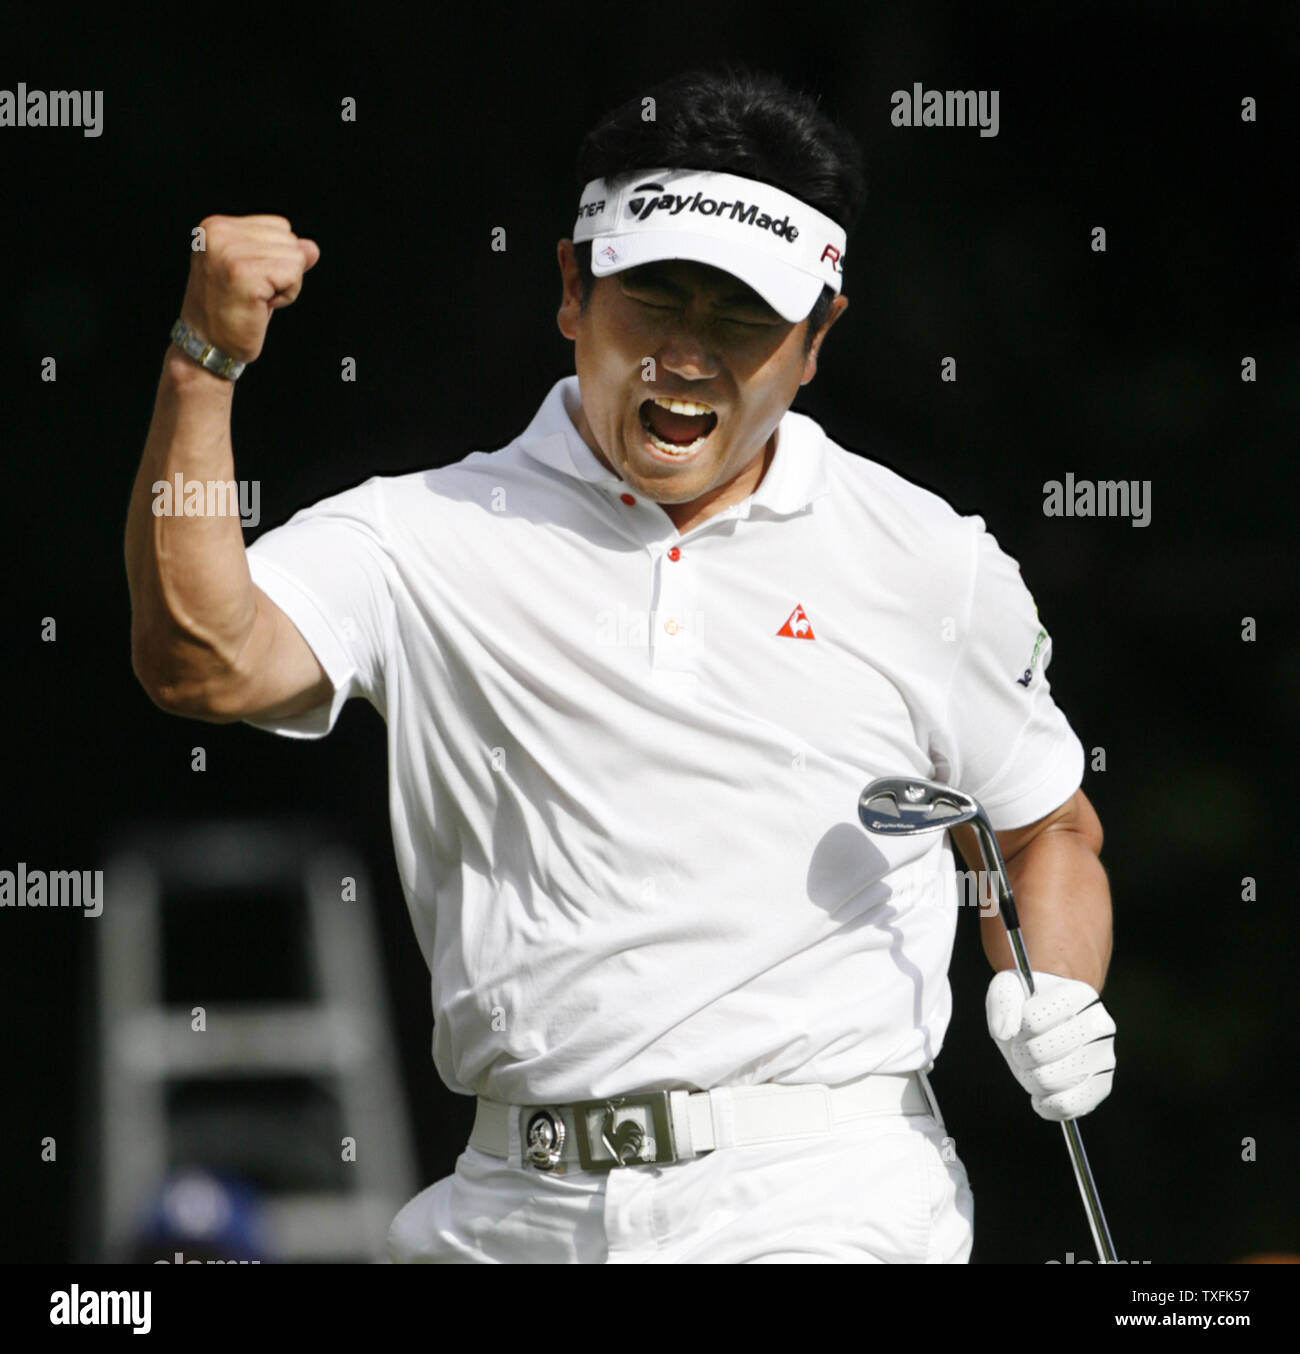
<point x="1063" y="900"/>
<point x="192" y="598"/>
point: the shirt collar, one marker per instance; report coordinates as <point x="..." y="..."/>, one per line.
<point x="796" y="477"/>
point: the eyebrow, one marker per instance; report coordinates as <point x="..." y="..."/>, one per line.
<point x="655" y="275"/>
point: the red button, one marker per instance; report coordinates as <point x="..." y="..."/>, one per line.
<point x="628" y="499"/>
<point x="674" y="554"/>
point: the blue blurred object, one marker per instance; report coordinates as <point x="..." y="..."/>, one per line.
<point x="205" y="1216"/>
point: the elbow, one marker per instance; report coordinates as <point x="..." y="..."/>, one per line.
<point x="174" y="692"/>
<point x="163" y="690"/>
<point x="144" y="670"/>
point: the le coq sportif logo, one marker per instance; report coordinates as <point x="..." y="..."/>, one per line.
<point x="651" y="197"/>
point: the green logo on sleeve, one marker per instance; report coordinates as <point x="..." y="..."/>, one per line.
<point x="1028" y="675"/>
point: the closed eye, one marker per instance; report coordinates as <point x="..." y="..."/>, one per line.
<point x="725" y="319"/>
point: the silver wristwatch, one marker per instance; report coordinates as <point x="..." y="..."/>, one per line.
<point x="205" y="354"/>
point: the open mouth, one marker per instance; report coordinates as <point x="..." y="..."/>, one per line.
<point x="677" y="428"/>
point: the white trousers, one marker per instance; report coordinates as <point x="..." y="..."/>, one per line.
<point x="880" y="1189"/>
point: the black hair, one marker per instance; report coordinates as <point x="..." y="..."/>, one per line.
<point x="734" y="121"/>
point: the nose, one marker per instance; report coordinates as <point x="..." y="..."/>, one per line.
<point x="685" y="349"/>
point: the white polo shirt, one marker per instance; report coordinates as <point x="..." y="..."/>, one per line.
<point x="624" y="763"/>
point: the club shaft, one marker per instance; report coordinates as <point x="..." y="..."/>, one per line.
<point x="994" y="864"/>
<point x="1088" y="1192"/>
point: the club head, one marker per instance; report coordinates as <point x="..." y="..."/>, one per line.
<point x="900" y="806"/>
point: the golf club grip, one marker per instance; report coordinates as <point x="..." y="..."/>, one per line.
<point x="991" y="856"/>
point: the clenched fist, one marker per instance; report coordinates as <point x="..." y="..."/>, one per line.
<point x="253" y="265"/>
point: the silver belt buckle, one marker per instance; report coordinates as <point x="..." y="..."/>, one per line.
<point x="626" y="1130"/>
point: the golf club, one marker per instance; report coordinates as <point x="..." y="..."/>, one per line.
<point x="903" y="806"/>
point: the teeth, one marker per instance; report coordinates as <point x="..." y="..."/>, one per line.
<point x="684" y="406"/>
<point x="670" y="448"/>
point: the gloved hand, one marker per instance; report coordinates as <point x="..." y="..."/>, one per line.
<point x="1059" y="1043"/>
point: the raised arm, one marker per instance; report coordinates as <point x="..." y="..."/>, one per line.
<point x="205" y="641"/>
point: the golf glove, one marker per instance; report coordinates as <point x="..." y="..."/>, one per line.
<point x="1059" y="1043"/>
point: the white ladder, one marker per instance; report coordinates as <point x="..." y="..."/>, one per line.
<point x="339" y="1041"/>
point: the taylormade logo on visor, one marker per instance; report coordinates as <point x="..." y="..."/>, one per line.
<point x="780" y="246"/>
<point x="748" y="214"/>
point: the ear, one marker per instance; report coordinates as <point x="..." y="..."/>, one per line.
<point x="571" y="297"/>
<point x="837" y="308"/>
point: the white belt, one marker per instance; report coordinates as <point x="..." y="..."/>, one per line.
<point x="663" y="1126"/>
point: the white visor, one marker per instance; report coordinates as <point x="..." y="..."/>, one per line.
<point x="776" y="244"/>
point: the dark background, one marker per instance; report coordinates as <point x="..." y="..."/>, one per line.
<point x="1117" y="365"/>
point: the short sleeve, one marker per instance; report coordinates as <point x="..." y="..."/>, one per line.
<point x="1004" y="739"/>
<point x="327" y="569"/>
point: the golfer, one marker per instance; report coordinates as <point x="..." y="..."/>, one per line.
<point x="636" y="668"/>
